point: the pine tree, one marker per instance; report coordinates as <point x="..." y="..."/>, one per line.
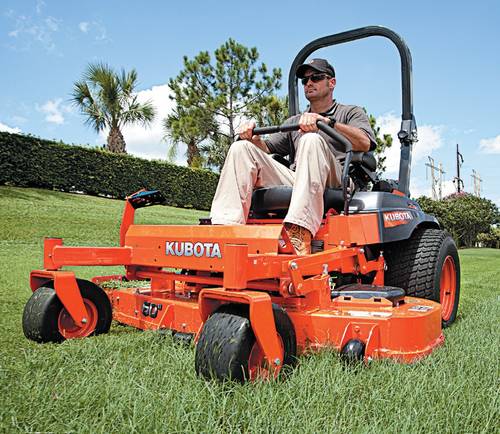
<point x="383" y="143"/>
<point x="220" y="94"/>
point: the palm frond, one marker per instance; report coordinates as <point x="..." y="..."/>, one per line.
<point x="142" y="113"/>
<point x="107" y="98"/>
<point x="128" y="81"/>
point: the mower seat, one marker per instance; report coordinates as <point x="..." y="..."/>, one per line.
<point x="276" y="200"/>
<point x="365" y="159"/>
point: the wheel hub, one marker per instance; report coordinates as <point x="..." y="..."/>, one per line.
<point x="70" y="330"/>
<point x="258" y="366"/>
<point x="448" y="287"/>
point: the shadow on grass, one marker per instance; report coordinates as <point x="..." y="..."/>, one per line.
<point x="30" y="193"/>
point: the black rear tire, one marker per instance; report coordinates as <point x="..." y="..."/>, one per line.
<point x="416" y="265"/>
<point x="43" y="310"/>
<point x="227" y="339"/>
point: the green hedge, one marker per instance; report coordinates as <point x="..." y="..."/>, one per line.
<point x="27" y="161"/>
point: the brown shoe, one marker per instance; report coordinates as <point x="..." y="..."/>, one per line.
<point x="300" y="238"/>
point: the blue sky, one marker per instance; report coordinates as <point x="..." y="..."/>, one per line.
<point x="46" y="45"/>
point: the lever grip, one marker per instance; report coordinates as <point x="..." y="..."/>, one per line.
<point x="266" y="130"/>
<point x="293" y="127"/>
<point x="275" y="129"/>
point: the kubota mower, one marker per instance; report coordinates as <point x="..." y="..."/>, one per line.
<point x="381" y="281"/>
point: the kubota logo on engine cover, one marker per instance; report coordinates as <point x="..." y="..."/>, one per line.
<point x="187" y="248"/>
<point x="396" y="218"/>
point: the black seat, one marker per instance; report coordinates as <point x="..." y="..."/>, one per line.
<point x="367" y="160"/>
<point x="276" y="200"/>
<point x="363" y="169"/>
<point x="364" y="159"/>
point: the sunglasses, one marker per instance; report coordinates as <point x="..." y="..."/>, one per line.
<point x="315" y="78"/>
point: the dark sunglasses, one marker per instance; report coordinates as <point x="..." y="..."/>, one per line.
<point x="315" y="78"/>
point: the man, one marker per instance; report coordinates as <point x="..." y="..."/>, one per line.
<point x="315" y="166"/>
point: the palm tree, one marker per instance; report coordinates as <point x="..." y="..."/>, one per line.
<point x="108" y="100"/>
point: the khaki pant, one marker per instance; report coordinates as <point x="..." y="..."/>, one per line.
<point x="248" y="167"/>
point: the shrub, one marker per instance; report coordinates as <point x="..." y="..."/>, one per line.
<point x="490" y="239"/>
<point x="27" y="161"/>
<point x="463" y="215"/>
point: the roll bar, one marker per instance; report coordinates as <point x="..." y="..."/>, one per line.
<point x="408" y="132"/>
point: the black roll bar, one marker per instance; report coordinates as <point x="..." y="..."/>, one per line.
<point x="408" y="133"/>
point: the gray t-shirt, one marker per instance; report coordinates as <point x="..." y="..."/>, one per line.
<point x="280" y="143"/>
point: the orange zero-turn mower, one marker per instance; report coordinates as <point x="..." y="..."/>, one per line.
<point x="382" y="280"/>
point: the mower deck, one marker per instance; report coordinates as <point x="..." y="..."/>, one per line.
<point x="386" y="329"/>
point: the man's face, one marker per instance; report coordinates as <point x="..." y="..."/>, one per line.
<point x="318" y="89"/>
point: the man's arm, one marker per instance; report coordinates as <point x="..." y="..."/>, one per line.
<point x="358" y="138"/>
<point x="358" y="130"/>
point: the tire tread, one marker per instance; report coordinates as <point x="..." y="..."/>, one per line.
<point x="411" y="264"/>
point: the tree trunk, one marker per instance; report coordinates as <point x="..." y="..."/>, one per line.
<point x="116" y="142"/>
<point x="193" y="153"/>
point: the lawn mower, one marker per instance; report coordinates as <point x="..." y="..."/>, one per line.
<point x="381" y="281"/>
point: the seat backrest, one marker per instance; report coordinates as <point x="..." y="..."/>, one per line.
<point x="363" y="169"/>
<point x="367" y="160"/>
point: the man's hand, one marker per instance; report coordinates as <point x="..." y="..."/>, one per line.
<point x="245" y="132"/>
<point x="308" y="121"/>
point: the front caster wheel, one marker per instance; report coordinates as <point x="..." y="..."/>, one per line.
<point x="227" y="348"/>
<point x="45" y="319"/>
<point x="353" y="351"/>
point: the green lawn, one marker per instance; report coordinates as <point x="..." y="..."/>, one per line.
<point x="133" y="381"/>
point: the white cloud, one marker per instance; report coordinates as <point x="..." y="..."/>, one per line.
<point x="147" y="142"/>
<point x="28" y="30"/>
<point x="52" y="23"/>
<point x="40" y="4"/>
<point x="54" y="111"/>
<point x="84" y="26"/>
<point x="95" y="29"/>
<point x="490" y="146"/>
<point x="8" y="129"/>
<point x="101" y="32"/>
<point x="429" y="139"/>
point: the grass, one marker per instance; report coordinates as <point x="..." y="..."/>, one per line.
<point x="133" y="381"/>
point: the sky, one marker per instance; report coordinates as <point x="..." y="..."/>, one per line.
<point x="45" y="46"/>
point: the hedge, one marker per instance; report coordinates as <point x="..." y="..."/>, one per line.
<point x="28" y="161"/>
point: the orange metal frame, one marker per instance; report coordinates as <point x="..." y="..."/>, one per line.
<point x="244" y="264"/>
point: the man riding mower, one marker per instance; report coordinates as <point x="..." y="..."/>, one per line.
<point x="379" y="278"/>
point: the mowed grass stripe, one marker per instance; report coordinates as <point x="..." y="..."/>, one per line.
<point x="134" y="381"/>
